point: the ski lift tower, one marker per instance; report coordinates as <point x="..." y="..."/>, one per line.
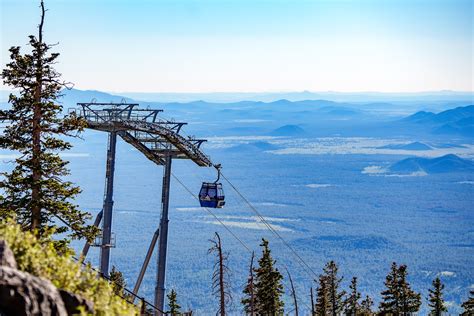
<point x="159" y="140"/>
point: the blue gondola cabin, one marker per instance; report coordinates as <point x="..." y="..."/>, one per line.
<point x="211" y="195"/>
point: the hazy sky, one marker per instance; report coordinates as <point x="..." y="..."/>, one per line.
<point x="253" y="45"/>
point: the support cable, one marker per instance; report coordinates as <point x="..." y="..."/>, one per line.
<point x="306" y="267"/>
<point x="233" y="234"/>
<point x="212" y="213"/>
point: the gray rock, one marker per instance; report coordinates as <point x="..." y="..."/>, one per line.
<point x="24" y="294"/>
<point x="6" y="255"/>
<point x="73" y="301"/>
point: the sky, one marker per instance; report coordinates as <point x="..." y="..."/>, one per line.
<point x="253" y="45"/>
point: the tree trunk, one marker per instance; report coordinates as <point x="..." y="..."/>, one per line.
<point x="36" y="137"/>
<point x="313" y="312"/>
<point x="221" y="277"/>
<point x="252" y="295"/>
<point x="293" y="292"/>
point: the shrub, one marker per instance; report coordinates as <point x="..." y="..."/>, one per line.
<point x="40" y="258"/>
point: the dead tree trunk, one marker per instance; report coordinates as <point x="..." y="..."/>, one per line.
<point x="219" y="283"/>
<point x="313" y="312"/>
<point x="293" y="292"/>
<point x="252" y="294"/>
<point x="221" y="276"/>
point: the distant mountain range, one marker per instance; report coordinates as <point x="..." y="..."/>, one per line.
<point x="444" y="164"/>
<point x="229" y="97"/>
<point x="457" y="121"/>
<point x="409" y="146"/>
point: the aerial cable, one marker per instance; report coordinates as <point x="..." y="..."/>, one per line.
<point x="214" y="215"/>
<point x="231" y="232"/>
<point x="307" y="268"/>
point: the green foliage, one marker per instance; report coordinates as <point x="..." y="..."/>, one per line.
<point x="35" y="190"/>
<point x="435" y="298"/>
<point x="366" y="307"/>
<point x="174" y="308"/>
<point x="118" y="282"/>
<point x="468" y="305"/>
<point x="268" y="286"/>
<point x="40" y="258"/>
<point x="322" y="306"/>
<point x="352" y="306"/>
<point x="335" y="296"/>
<point x="399" y="298"/>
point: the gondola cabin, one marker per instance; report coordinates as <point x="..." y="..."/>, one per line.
<point x="212" y="195"/>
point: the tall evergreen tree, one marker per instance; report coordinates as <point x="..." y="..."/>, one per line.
<point x="352" y="306"/>
<point x="366" y="307"/>
<point x="410" y="301"/>
<point x="390" y="296"/>
<point x="35" y="192"/>
<point x="336" y="301"/>
<point x="398" y="298"/>
<point x="435" y="298"/>
<point x="323" y="305"/>
<point x="468" y="305"/>
<point x="268" y="286"/>
<point x="249" y="301"/>
<point x="174" y="308"/>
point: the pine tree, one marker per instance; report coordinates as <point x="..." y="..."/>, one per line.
<point x="366" y="307"/>
<point x="399" y="298"/>
<point x="268" y="286"/>
<point x="174" y="308"/>
<point x="469" y="305"/>
<point x="390" y="296"/>
<point x="220" y="285"/>
<point x="410" y="301"/>
<point x="336" y="302"/>
<point x="352" y="306"/>
<point x="323" y="305"/>
<point x="435" y="298"/>
<point x="34" y="191"/>
<point x="118" y="281"/>
<point x="249" y="301"/>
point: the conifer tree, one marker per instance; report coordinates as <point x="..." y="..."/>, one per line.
<point x="268" y="286"/>
<point x="34" y="192"/>
<point x="118" y="281"/>
<point x="468" y="305"/>
<point x="174" y="308"/>
<point x="410" y="301"/>
<point x="352" y="306"/>
<point x="249" y="301"/>
<point x="399" y="298"/>
<point x="435" y="298"/>
<point x="336" y="303"/>
<point x="220" y="276"/>
<point x="323" y="305"/>
<point x="366" y="307"/>
<point x="390" y="296"/>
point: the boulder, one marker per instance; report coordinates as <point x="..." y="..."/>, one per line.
<point x="7" y="258"/>
<point x="24" y="294"/>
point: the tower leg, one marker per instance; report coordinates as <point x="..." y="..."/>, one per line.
<point x="85" y="250"/>
<point x="163" y="241"/>
<point x="145" y="263"/>
<point x="108" y="205"/>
